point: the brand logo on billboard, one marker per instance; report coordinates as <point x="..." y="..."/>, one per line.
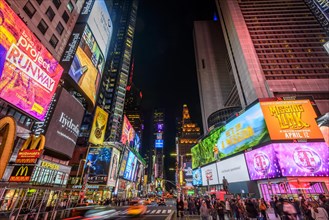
<point x="289" y="116"/>
<point x="209" y="174"/>
<point x="261" y="163"/>
<point x="307" y="159"/>
<point x="21" y="173"/>
<point x="87" y="7"/>
<point x="67" y="122"/>
<point x="31" y="149"/>
<point x="70" y="52"/>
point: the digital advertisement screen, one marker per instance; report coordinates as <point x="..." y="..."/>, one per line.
<point x="129" y="166"/>
<point x="197" y="177"/>
<point x="243" y="132"/>
<point x="64" y="126"/>
<point x="137" y="142"/>
<point x="209" y="173"/>
<point x="113" y="174"/>
<point x="290" y="120"/>
<point x="85" y="54"/>
<point x="188" y="173"/>
<point x="158" y="143"/>
<point x="262" y="163"/>
<point x="233" y="169"/>
<point x="123" y="163"/>
<point x="196" y="157"/>
<point x="98" y="129"/>
<point x="128" y="132"/>
<point x="29" y="74"/>
<point x="134" y="168"/>
<point x="303" y="159"/>
<point x="98" y="164"/>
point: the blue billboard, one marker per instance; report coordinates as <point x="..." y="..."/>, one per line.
<point x="158" y="143"/>
<point x="97" y="165"/>
<point x="197" y="177"/>
<point x="130" y="166"/>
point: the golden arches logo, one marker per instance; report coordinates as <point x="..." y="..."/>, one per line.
<point x="21" y="170"/>
<point x="34" y="143"/>
<point x="8" y="134"/>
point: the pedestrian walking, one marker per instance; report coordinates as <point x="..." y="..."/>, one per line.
<point x="204" y="211"/>
<point x="263" y="207"/>
<point x="318" y="213"/>
<point x="251" y="210"/>
<point x="220" y="210"/>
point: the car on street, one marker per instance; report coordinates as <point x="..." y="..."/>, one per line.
<point x="93" y="212"/>
<point x="136" y="209"/>
<point x="161" y="202"/>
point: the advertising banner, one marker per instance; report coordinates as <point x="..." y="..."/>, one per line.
<point x="123" y="163"/>
<point x="64" y="125"/>
<point x="31" y="150"/>
<point x="196" y="157"/>
<point x="303" y="159"/>
<point x="209" y="173"/>
<point x="188" y="175"/>
<point x="21" y="173"/>
<point x="129" y="166"/>
<point x="50" y="173"/>
<point x="243" y="132"/>
<point x="29" y="74"/>
<point x="98" y="129"/>
<point x="233" y="169"/>
<point x="290" y="120"/>
<point x="137" y="142"/>
<point x="158" y="143"/>
<point x="97" y="165"/>
<point x="113" y="175"/>
<point x="262" y="163"/>
<point x="128" y="132"/>
<point x="197" y="177"/>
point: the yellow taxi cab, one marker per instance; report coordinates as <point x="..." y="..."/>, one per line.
<point x="136" y="208"/>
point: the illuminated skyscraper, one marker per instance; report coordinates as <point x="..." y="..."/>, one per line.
<point x="275" y="49"/>
<point x="113" y="88"/>
<point x="158" y="128"/>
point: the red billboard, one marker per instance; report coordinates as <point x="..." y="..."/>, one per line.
<point x="29" y="74"/>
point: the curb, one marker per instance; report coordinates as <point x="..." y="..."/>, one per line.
<point x="170" y="216"/>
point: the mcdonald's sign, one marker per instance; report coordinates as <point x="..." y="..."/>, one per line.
<point x="31" y="150"/>
<point x="21" y="173"/>
<point x="7" y="136"/>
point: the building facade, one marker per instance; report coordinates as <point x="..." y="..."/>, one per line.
<point x="217" y="88"/>
<point x="275" y="49"/>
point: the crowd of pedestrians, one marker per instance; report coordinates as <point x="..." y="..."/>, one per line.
<point x="210" y="208"/>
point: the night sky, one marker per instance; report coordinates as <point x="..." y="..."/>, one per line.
<point x="165" y="68"/>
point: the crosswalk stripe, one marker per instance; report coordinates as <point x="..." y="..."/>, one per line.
<point x="148" y="211"/>
<point x="158" y="211"/>
<point x="169" y="210"/>
<point x="153" y="211"/>
<point x="164" y="211"/>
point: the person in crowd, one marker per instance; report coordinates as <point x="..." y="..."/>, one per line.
<point x="198" y="205"/>
<point x="297" y="205"/>
<point x="220" y="207"/>
<point x="263" y="207"/>
<point x="204" y="211"/>
<point x="228" y="208"/>
<point x="273" y="203"/>
<point x="324" y="202"/>
<point x="289" y="210"/>
<point x="306" y="209"/>
<point x="318" y="213"/>
<point x="240" y="209"/>
<point x="185" y="206"/>
<point x="192" y="208"/>
<point x="251" y="210"/>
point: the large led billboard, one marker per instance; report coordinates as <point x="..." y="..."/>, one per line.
<point x="85" y="54"/>
<point x="289" y="120"/>
<point x="98" y="129"/>
<point x="128" y="132"/>
<point x="303" y="159"/>
<point x="137" y="142"/>
<point x="64" y="126"/>
<point x="197" y="177"/>
<point x="128" y="173"/>
<point x="158" y="144"/>
<point x="243" y="132"/>
<point x="262" y="163"/>
<point x="233" y="169"/>
<point x="123" y="163"/>
<point x="209" y="175"/>
<point x="97" y="165"/>
<point x="29" y="74"/>
<point x="113" y="174"/>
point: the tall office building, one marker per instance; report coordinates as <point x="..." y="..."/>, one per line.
<point x="275" y="49"/>
<point x="217" y="88"/>
<point x="158" y="129"/>
<point x="112" y="92"/>
<point x="52" y="21"/>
